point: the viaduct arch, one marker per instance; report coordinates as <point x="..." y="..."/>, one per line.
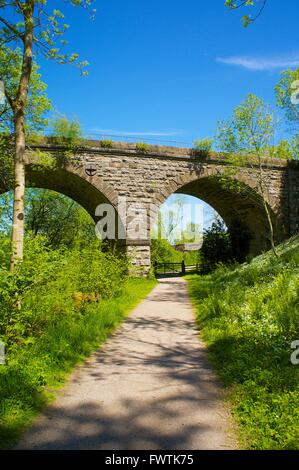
<point x="93" y="175"/>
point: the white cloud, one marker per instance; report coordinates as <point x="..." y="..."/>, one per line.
<point x="261" y="63"/>
<point x="134" y="134"/>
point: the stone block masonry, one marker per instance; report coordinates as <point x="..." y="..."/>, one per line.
<point x="150" y="178"/>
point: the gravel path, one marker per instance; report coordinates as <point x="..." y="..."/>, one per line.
<point x="150" y="387"/>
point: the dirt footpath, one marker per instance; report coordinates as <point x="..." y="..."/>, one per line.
<point x="150" y="387"/>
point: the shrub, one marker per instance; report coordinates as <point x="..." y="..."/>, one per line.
<point x="4" y="251"/>
<point x="163" y="252"/>
<point x="106" y="144"/>
<point x="56" y="309"/>
<point x="142" y="147"/>
<point x="43" y="287"/>
<point x="217" y="247"/>
<point x="66" y="131"/>
<point x="202" y="148"/>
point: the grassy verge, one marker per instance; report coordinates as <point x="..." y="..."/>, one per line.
<point x="249" y="316"/>
<point x="36" y="369"/>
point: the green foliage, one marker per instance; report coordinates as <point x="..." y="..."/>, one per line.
<point x="169" y="224"/>
<point x="142" y="147"/>
<point x="102" y="273"/>
<point x="37" y="104"/>
<point x="287" y="91"/>
<point x="202" y="148"/>
<point x="248" y="316"/>
<point x="216" y="248"/>
<point x="250" y="130"/>
<point x="4" y="250"/>
<point x="258" y="6"/>
<point x="66" y="132"/>
<point x="35" y="111"/>
<point x="295" y="147"/>
<point x="247" y="137"/>
<point x="6" y="162"/>
<point x="48" y="25"/>
<point x="285" y="149"/>
<point x="60" y="220"/>
<point x="106" y="144"/>
<point x="163" y="252"/>
<point x="48" y="324"/>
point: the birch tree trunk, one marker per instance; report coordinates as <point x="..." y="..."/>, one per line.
<point x="18" y="105"/>
<point x="17" y="239"/>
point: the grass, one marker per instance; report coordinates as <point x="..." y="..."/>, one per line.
<point x="34" y="371"/>
<point x="249" y="316"/>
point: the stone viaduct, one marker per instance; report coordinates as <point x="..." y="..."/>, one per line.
<point x="93" y="175"/>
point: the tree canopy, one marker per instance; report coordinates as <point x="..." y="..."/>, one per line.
<point x="60" y="220"/>
<point x="36" y="28"/>
<point x="287" y="96"/>
<point x="38" y="104"/>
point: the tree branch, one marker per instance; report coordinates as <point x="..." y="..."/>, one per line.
<point x="12" y="28"/>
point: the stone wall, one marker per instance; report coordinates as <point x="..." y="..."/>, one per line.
<point x="95" y="175"/>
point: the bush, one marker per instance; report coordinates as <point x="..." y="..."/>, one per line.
<point x="4" y="252"/>
<point x="217" y="247"/>
<point x="142" y="147"/>
<point x="44" y="286"/>
<point x="163" y="252"/>
<point x="66" y="131"/>
<point x="202" y="148"/>
<point x="55" y="309"/>
<point x="106" y="144"/>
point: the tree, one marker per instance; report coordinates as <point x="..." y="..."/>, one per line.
<point x="36" y="107"/>
<point x="30" y="25"/>
<point x="217" y="246"/>
<point x="65" y="131"/>
<point x="37" y="103"/>
<point x="191" y="233"/>
<point x="287" y="96"/>
<point x="163" y="252"/>
<point x="170" y="220"/>
<point x="259" y="6"/>
<point x="202" y="148"/>
<point x="248" y="138"/>
<point x="59" y="219"/>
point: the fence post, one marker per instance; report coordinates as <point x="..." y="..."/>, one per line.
<point x="183" y="267"/>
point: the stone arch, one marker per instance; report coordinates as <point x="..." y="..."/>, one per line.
<point x="73" y="182"/>
<point x="243" y="210"/>
<point x="87" y="191"/>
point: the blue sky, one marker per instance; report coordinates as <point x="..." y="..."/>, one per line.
<point x="169" y="70"/>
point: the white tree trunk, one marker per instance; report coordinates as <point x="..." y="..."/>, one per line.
<point x="18" y="105"/>
<point x="17" y="240"/>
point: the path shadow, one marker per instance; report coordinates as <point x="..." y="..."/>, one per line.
<point x="182" y="387"/>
